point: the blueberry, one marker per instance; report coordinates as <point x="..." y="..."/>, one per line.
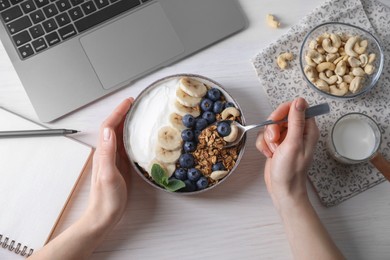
<point x="189" y="146"/>
<point x="206" y="104"/>
<point x="229" y="104"/>
<point x="193" y="174"/>
<point x="224" y="129"/>
<point x="197" y="133"/>
<point x="186" y="160"/>
<point x="200" y="124"/>
<point x="218" y="107"/>
<point x="189" y="186"/>
<point x="214" y="94"/>
<point x="187" y="135"/>
<point x="209" y="116"/>
<point x="202" y="183"/>
<point x="218" y="167"/>
<point x="180" y="174"/>
<point x="188" y="121"/>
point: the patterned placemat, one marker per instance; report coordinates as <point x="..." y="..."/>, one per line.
<point x="334" y="182"/>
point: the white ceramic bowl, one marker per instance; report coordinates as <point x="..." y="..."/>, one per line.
<point x="126" y="133"/>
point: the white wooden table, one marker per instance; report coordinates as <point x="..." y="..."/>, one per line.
<point x="237" y="219"/>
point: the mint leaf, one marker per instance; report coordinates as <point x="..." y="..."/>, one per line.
<point x="158" y="173"/>
<point x="164" y="181"/>
<point x="174" y="185"/>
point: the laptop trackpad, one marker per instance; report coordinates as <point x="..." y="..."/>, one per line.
<point x="131" y="45"/>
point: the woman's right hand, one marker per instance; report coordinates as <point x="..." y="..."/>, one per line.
<point x="289" y="149"/>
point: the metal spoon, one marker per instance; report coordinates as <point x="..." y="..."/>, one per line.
<point x="312" y="111"/>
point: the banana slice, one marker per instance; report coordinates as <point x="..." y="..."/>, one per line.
<point x="183" y="110"/>
<point x="176" y="121"/>
<point x="193" y="87"/>
<point x="187" y="100"/>
<point x="167" y="156"/>
<point x="169" y="138"/>
<point x="233" y="134"/>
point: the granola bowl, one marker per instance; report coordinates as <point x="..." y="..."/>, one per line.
<point x="174" y="136"/>
<point x="340" y="60"/>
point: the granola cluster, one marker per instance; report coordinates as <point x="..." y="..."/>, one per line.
<point x="210" y="151"/>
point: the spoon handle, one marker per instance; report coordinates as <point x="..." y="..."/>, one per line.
<point x="309" y="113"/>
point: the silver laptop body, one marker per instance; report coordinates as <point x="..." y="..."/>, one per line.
<point x="60" y="77"/>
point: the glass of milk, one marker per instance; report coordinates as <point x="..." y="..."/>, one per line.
<point x="354" y="138"/>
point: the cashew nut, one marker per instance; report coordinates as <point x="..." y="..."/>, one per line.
<point x="310" y="72"/>
<point x="354" y="62"/>
<point x="321" y="84"/>
<point x="313" y="45"/>
<point x="336" y="61"/>
<point x="313" y="58"/>
<point x="341" y="68"/>
<point x="369" y="69"/>
<point x="230" y="112"/>
<point x="283" y="58"/>
<point x="363" y="59"/>
<point x="217" y="175"/>
<point x="330" y="80"/>
<point x="356" y="84"/>
<point x="339" y="90"/>
<point x="233" y="134"/>
<point x="325" y="66"/>
<point x="329" y="73"/>
<point x="348" y="78"/>
<point x="358" y="72"/>
<point x="360" y="47"/>
<point x="322" y="37"/>
<point x="333" y="44"/>
<point x="321" y="50"/>
<point x="339" y="79"/>
<point x="371" y="58"/>
<point x="331" y="57"/>
<point x="349" y="45"/>
<point x="271" y="21"/>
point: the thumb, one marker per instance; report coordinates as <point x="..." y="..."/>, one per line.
<point x="107" y="148"/>
<point x="296" y="119"/>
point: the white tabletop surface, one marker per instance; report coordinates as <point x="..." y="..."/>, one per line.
<point x="237" y="219"/>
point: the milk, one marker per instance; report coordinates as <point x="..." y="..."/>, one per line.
<point x="354" y="138"/>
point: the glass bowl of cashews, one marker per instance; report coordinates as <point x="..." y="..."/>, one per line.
<point x="175" y="134"/>
<point x="340" y="60"/>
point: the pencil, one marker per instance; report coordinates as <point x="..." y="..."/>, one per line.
<point x="32" y="133"/>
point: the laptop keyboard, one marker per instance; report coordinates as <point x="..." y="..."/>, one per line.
<point x="36" y="25"/>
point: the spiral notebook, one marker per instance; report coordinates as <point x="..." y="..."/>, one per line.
<point x="37" y="177"/>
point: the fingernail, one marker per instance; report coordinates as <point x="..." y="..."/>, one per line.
<point x="106" y="134"/>
<point x="270" y="135"/>
<point x="300" y="105"/>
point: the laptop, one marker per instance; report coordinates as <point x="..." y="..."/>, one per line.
<point x="68" y="53"/>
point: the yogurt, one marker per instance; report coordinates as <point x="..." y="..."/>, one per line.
<point x="148" y="116"/>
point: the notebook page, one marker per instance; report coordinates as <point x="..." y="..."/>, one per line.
<point x="37" y="175"/>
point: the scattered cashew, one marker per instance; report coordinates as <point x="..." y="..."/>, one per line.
<point x="356" y="84"/>
<point x="271" y="21"/>
<point x="325" y="66"/>
<point x="217" y="175"/>
<point x="360" y="47"/>
<point x="233" y="134"/>
<point x="339" y="90"/>
<point x="230" y="112"/>
<point x="348" y="47"/>
<point x="283" y="58"/>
